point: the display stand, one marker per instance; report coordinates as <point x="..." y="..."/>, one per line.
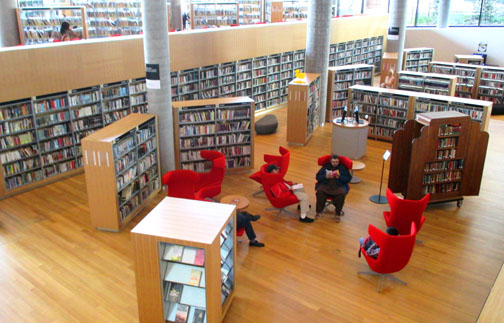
<point x="380" y="199"/>
<point x="185" y="261"/>
<point x="349" y="138"/>
<point x="388" y="63"/>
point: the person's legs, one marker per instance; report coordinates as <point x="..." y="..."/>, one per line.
<point x="338" y="201"/>
<point x="321" y="201"/>
<point x="243" y="221"/>
<point x="304" y="201"/>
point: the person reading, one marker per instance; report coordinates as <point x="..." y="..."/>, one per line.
<point x="371" y="248"/>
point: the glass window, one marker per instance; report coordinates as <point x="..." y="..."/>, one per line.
<point x="464" y="12"/>
<point x="492" y="12"/>
<point x="427" y="13"/>
<point x="376" y="6"/>
<point x="412" y="6"/>
<point x="349" y="7"/>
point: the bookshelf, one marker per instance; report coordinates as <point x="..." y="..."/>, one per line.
<point x="224" y="124"/>
<point x="42" y="25"/>
<point x="121" y="163"/>
<point x="303" y="112"/>
<point x="183" y="269"/>
<point x="273" y="11"/>
<point x="467" y="77"/>
<point x="251" y="11"/>
<point x="433" y="83"/>
<point x="491" y="85"/>
<point x="339" y="80"/>
<point x="468" y="59"/>
<point x="441" y="153"/>
<point x="204" y="15"/>
<point x="295" y="10"/>
<point x="417" y="59"/>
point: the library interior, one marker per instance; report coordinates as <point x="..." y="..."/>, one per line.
<point x="251" y="161"/>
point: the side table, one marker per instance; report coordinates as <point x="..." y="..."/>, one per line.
<point x="357" y="165"/>
<point x="240" y="201"/>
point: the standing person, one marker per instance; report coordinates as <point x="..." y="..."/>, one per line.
<point x="66" y="32"/>
<point x="283" y="186"/>
<point x="243" y="221"/>
<point x="332" y="182"/>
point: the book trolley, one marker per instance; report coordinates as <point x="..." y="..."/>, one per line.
<point x="225" y="125"/>
<point x="303" y="114"/>
<point x="441" y="153"/>
<point x="185" y="261"/>
<point x="121" y="163"/>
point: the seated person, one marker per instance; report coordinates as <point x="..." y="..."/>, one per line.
<point x="371" y="248"/>
<point x="304" y="200"/>
<point x="243" y="221"/>
<point x="332" y="182"/>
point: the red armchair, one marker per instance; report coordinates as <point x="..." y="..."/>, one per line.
<point x="181" y="183"/>
<point x="281" y="161"/>
<point x="209" y="184"/>
<point x="268" y="180"/>
<point x="347" y="162"/>
<point x="403" y="212"/>
<point x="395" y="253"/>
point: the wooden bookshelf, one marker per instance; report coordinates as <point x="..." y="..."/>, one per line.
<point x="417" y="59"/>
<point x="445" y="158"/>
<point x="491" y="84"/>
<point x="42" y="24"/>
<point x="362" y="51"/>
<point x="303" y="115"/>
<point x="121" y="163"/>
<point x="468" y="59"/>
<point x="339" y="80"/>
<point x="467" y="77"/>
<point x="433" y="83"/>
<point x="224" y="124"/>
<point x="273" y="11"/>
<point x="251" y="11"/>
<point x="204" y="15"/>
<point x="182" y="268"/>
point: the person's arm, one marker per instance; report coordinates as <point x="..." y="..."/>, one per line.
<point x="321" y="175"/>
<point x="345" y="176"/>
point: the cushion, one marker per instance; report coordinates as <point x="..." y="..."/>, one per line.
<point x="266" y="125"/>
<point x="497" y="109"/>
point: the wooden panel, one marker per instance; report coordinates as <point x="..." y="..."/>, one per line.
<point x="276" y="11"/>
<point x="474" y="161"/>
<point x="297" y="113"/>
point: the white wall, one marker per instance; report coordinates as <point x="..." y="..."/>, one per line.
<point x="450" y="41"/>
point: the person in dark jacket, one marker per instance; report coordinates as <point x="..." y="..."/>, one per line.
<point x="332" y="182"/>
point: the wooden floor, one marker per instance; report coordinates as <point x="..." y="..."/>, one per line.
<point x="54" y="267"/>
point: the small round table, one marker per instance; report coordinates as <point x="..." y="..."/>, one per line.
<point x="240" y="201"/>
<point x="357" y="165"/>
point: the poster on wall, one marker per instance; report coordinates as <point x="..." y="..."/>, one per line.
<point x="393" y="33"/>
<point x="153" y="79"/>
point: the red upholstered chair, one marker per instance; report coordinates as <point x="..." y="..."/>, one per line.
<point x="181" y="183"/>
<point x="240" y="232"/>
<point x="281" y="161"/>
<point x="347" y="162"/>
<point x="210" y="183"/>
<point x="279" y="203"/>
<point x="403" y="212"/>
<point x="395" y="253"/>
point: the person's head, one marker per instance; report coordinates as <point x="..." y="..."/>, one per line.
<point x="392" y="231"/>
<point x="273" y="169"/>
<point x="64" y="27"/>
<point x="334" y="160"/>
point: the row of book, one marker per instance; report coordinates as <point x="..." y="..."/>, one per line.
<point x="444" y="165"/>
<point x="86" y="111"/>
<point x="449" y="130"/>
<point x="447" y="142"/>
<point x="441" y="188"/>
<point x="89" y="123"/>
<point x="16" y="126"/>
<point x="186" y="255"/>
<point x="446" y="154"/>
<point x="442" y="177"/>
<point x="13" y="141"/>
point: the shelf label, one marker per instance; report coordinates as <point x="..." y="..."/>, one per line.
<point x="152" y="76"/>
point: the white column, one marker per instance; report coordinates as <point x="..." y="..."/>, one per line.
<point x="9" y="34"/>
<point x="318" y="36"/>
<point x="176" y="15"/>
<point x="397" y="19"/>
<point x="157" y="51"/>
<point x="443" y="14"/>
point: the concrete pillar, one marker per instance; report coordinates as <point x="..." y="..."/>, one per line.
<point x="157" y="51"/>
<point x="443" y="14"/>
<point x="176" y="15"/>
<point x="397" y="19"/>
<point x="9" y="34"/>
<point x="318" y="36"/>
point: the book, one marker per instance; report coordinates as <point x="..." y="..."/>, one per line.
<point x="199" y="315"/>
<point x="174" y="253"/>
<point x="182" y="311"/>
<point x="175" y="292"/>
<point x="195" y="277"/>
<point x="297" y="186"/>
<point x="199" y="259"/>
<point x="189" y="255"/>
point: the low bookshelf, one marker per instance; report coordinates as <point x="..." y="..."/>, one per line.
<point x="185" y="263"/>
<point x="467" y="77"/>
<point x="121" y="164"/>
<point x="224" y="124"/>
<point x="468" y="59"/>
<point x="433" y="83"/>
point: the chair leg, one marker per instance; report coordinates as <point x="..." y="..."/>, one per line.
<point x="396" y="279"/>
<point x="419" y="241"/>
<point x="280" y="211"/>
<point x="382" y="278"/>
<point x="258" y="192"/>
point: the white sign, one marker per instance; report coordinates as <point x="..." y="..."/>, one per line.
<point x="386" y="155"/>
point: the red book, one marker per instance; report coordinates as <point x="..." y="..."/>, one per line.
<point x="199" y="260"/>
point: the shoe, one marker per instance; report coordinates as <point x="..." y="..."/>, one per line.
<point x="255" y="217"/>
<point x="306" y="219"/>
<point x="337" y="218"/>
<point x="341" y="213"/>
<point x="256" y="243"/>
<point x="317" y="216"/>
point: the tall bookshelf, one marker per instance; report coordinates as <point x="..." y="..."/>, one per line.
<point x="417" y="59"/>
<point x="295" y="10"/>
<point x="388" y="109"/>
<point x="491" y="85"/>
<point x="441" y="153"/>
<point x="339" y="80"/>
<point x="42" y="25"/>
<point x="303" y="114"/>
<point x="467" y="77"/>
<point x="361" y="51"/>
<point x="204" y="15"/>
<point x="185" y="272"/>
<point x="251" y="11"/>
<point x="433" y="83"/>
<point x="224" y="124"/>
<point x="121" y="163"/>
